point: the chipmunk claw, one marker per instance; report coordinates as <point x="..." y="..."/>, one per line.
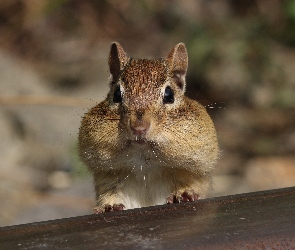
<point x="189" y="195"/>
<point x="186" y="196"/>
<point x="108" y="208"/>
<point x="173" y="198"/>
<point x="118" y="207"/>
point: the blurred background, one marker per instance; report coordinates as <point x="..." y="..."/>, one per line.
<point x="53" y="68"/>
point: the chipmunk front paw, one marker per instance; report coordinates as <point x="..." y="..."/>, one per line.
<point x="108" y="208"/>
<point x="187" y="195"/>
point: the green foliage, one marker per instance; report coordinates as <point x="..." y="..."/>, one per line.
<point x="287" y="34"/>
<point x="201" y="48"/>
<point x="52" y="5"/>
<point x="290" y="10"/>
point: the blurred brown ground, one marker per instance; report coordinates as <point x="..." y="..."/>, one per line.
<point x="53" y="67"/>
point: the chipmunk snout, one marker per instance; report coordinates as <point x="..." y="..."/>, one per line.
<point x="140" y="127"/>
<point x="139" y="123"/>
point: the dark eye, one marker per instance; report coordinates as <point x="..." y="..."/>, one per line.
<point x="168" y="95"/>
<point x="117" y="95"/>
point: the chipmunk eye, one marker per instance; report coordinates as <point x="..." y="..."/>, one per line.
<point x="117" y="98"/>
<point x="168" y="95"/>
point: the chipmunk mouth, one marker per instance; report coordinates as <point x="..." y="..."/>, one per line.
<point x="139" y="140"/>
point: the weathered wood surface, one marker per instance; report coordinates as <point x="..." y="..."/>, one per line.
<point x="262" y="220"/>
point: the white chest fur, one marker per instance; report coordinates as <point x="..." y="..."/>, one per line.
<point x="144" y="185"/>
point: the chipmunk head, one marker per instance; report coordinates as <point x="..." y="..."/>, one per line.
<point x="144" y="90"/>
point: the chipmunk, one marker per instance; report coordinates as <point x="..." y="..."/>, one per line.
<point x="147" y="144"/>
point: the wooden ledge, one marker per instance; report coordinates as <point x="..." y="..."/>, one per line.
<point x="259" y="220"/>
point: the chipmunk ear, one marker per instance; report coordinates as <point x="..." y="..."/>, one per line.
<point x="117" y="59"/>
<point x="178" y="61"/>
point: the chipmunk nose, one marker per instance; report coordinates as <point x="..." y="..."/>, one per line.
<point x="140" y="123"/>
<point x="140" y="127"/>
